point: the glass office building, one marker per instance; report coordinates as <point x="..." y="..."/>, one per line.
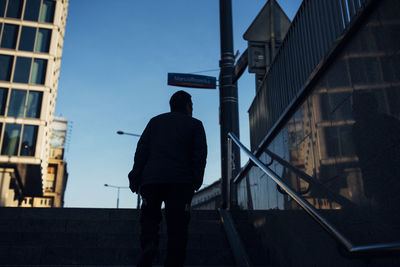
<point x="31" y="42"/>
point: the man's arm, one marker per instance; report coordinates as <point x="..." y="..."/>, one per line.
<point x="141" y="156"/>
<point x="199" y="155"/>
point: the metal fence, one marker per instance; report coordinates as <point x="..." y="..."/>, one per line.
<point x="314" y="31"/>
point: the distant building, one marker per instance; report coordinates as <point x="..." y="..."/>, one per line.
<point x="31" y="43"/>
<point x="208" y="198"/>
<point x="57" y="175"/>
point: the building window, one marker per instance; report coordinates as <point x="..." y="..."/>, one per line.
<point x="29" y="140"/>
<point x="14" y="9"/>
<point x="3" y="100"/>
<point x="9" y="39"/>
<point x="34" y="104"/>
<point x="51" y="177"/>
<point x="5" y="67"/>
<point x="29" y="35"/>
<point x="22" y="69"/>
<point x="19" y="108"/>
<point x="43" y="41"/>
<point x="16" y="106"/>
<point x="2" y="7"/>
<point x="32" y="9"/>
<point x="27" y="39"/>
<point x="339" y="141"/>
<point x="12" y="136"/>
<point x="47" y="12"/>
<point x="11" y="139"/>
<point x="38" y="71"/>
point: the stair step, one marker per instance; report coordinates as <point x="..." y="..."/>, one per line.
<point x="103" y="240"/>
<point x="108" y="237"/>
<point x="34" y="255"/>
<point x="89" y="214"/>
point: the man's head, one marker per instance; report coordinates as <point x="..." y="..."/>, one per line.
<point x="181" y="102"/>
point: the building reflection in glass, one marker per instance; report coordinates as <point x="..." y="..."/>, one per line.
<point x="344" y="140"/>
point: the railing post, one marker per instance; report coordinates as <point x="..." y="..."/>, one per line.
<point x="138" y="201"/>
<point x="231" y="171"/>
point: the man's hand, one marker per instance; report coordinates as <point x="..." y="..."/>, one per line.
<point x="132" y="184"/>
<point x="134" y="188"/>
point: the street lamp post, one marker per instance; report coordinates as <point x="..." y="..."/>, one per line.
<point x="136" y="135"/>
<point x="118" y="188"/>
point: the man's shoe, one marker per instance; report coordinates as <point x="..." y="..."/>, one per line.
<point x="149" y="253"/>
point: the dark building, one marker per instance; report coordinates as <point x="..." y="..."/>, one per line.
<point x="325" y="118"/>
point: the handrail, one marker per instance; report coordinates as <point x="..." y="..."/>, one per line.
<point x="235" y="242"/>
<point x="338" y="198"/>
<point x="351" y="248"/>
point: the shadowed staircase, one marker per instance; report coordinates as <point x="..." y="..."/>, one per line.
<point x="99" y="237"/>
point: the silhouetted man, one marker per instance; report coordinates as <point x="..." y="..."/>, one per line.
<point x="169" y="166"/>
<point x="376" y="138"/>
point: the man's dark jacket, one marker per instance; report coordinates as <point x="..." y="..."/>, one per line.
<point x="172" y="149"/>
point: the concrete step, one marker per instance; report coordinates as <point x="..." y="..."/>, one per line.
<point x="104" y="240"/>
<point x="54" y="255"/>
<point x="66" y="265"/>
<point x="89" y="214"/>
<point x="96" y="237"/>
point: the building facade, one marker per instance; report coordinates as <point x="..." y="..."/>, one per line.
<point x="57" y="175"/>
<point x="31" y="44"/>
<point x="326" y="119"/>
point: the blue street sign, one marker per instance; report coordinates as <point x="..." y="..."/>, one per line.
<point x="192" y="80"/>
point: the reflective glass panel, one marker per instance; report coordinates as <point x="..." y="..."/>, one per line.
<point x="5" y="67"/>
<point x="43" y="41"/>
<point x="27" y="39"/>
<point x="34" y="104"/>
<point x="47" y="13"/>
<point x="38" y="71"/>
<point x="2" y="7"/>
<point x="9" y="39"/>
<point x="3" y="100"/>
<point x="22" y="69"/>
<point x="14" y="9"/>
<point x="16" y="106"/>
<point x="11" y="139"/>
<point x="32" y="9"/>
<point x="29" y="140"/>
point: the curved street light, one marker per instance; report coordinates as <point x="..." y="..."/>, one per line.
<point x="118" y="187"/>
<point x="136" y="135"/>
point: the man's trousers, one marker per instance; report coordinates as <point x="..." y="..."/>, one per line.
<point x="177" y="198"/>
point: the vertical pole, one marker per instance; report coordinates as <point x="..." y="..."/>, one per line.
<point x="118" y="198"/>
<point x="232" y="190"/>
<point x="138" y="201"/>
<point x="229" y="171"/>
<point x="228" y="96"/>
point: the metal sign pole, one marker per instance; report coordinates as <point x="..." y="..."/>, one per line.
<point x="229" y="114"/>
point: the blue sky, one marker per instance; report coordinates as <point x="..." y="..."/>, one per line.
<point x="114" y="77"/>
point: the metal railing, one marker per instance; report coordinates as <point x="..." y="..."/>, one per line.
<point x="351" y="248"/>
<point x="316" y="28"/>
<point x="303" y="176"/>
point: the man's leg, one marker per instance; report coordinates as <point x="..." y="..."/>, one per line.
<point x="150" y="218"/>
<point x="177" y="211"/>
